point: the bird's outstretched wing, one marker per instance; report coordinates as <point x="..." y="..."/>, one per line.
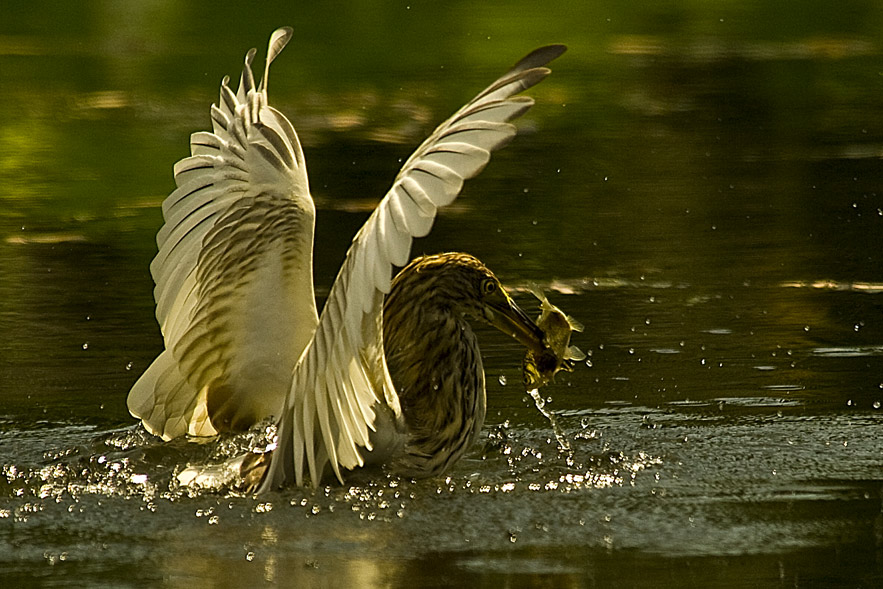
<point x="234" y="285"/>
<point x="342" y="387"/>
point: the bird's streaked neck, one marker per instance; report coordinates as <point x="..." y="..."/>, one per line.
<point x="435" y="364"/>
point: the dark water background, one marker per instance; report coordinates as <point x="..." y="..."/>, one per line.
<point x="699" y="184"/>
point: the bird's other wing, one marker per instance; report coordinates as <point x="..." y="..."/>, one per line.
<point x="342" y="381"/>
<point x="234" y="288"/>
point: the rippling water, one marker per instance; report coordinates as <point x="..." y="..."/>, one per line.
<point x="699" y="187"/>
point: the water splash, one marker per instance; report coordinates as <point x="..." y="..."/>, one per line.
<point x="563" y="443"/>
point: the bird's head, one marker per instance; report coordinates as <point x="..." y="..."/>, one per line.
<point x="475" y="291"/>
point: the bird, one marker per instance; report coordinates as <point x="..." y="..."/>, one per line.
<point x="436" y="401"/>
<point x="235" y="299"/>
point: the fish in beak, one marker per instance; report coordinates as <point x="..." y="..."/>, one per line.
<point x="540" y="367"/>
<point x="547" y="339"/>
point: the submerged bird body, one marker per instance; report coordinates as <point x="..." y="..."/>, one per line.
<point x="237" y="309"/>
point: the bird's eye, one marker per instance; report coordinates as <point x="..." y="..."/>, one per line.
<point x="488" y="286"/>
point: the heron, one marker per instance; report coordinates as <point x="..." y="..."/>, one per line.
<point x="235" y="301"/>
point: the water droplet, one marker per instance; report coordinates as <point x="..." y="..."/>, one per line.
<point x="806" y="328"/>
<point x="876" y="405"/>
<point x="249" y="556"/>
<point x="86" y="345"/>
<point x="502" y="379"/>
<point x="129" y="366"/>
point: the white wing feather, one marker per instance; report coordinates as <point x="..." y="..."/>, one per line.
<point x="341" y="385"/>
<point x="233" y="274"/>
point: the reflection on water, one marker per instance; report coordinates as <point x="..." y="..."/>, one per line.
<point x="699" y="185"/>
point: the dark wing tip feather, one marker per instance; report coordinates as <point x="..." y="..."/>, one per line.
<point x="539" y="57"/>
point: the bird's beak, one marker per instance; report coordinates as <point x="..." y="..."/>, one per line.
<point x="505" y="315"/>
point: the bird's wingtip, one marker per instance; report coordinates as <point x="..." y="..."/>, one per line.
<point x="540" y="57"/>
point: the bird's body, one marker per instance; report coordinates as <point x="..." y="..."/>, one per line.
<point x="236" y="304"/>
<point x="434" y="359"/>
<point x="435" y="364"/>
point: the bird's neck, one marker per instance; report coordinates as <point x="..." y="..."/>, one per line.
<point x="435" y="364"/>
